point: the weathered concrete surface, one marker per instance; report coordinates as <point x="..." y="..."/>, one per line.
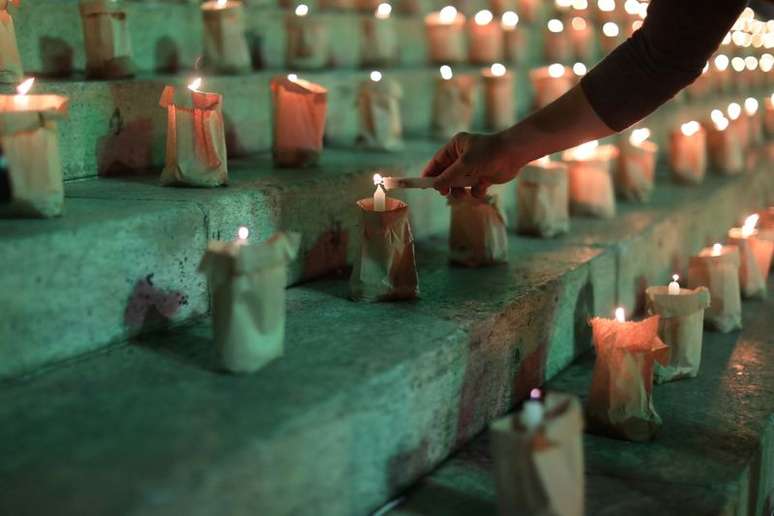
<point x="713" y="456"/>
<point x="367" y="397"/>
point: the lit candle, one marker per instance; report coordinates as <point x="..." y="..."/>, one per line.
<point x="380" y="195"/>
<point x="380" y="40"/>
<point x="516" y="38"/>
<point x="674" y="286"/>
<point x="225" y="45"/>
<point x="590" y="168"/>
<point x="550" y="82"/>
<point x="755" y="255"/>
<point x="717" y="269"/>
<point x="542" y="200"/>
<point x="722" y="72"/>
<point x="242" y="235"/>
<point x="106" y="39"/>
<point x="453" y="103"/>
<point x="607" y="11"/>
<point x="688" y="153"/>
<point x="636" y="166"/>
<point x="723" y="145"/>
<point x="307" y="42"/>
<point x="499" y="97"/>
<point x="557" y="45"/>
<point x="485" y="39"/>
<point x="582" y="38"/>
<point x="610" y="36"/>
<point x="10" y="62"/>
<point x="531" y="416"/>
<point x="445" y="36"/>
<point x="299" y="113"/>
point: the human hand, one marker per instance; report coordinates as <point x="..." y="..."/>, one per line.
<point x="482" y="158"/>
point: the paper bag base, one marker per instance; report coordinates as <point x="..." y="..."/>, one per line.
<point x="118" y="68"/>
<point x="295" y="158"/>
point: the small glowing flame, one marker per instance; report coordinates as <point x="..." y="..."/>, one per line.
<point x="563" y="4"/>
<point x="751" y="63"/>
<point x="578" y="23"/>
<point x="292" y="77"/>
<point x="497" y="69"/>
<point x="706" y="68"/>
<point x="766" y="61"/>
<point x="620" y="314"/>
<point x="483" y="17"/>
<point x="737" y="63"/>
<point x="748" y="228"/>
<point x="302" y="10"/>
<point x="636" y="25"/>
<point x="726" y="39"/>
<point x="221" y="4"/>
<point x="721" y="62"/>
<point x="580" y="5"/>
<point x="771" y="99"/>
<point x="510" y="19"/>
<point x="579" y="69"/>
<point x="446" y="72"/>
<point x="195" y="84"/>
<point x="751" y="106"/>
<point x="717" y="249"/>
<point x="632" y="7"/>
<point x="584" y="150"/>
<point x="534" y="394"/>
<point x="383" y="11"/>
<point x="734" y="110"/>
<point x="378" y="179"/>
<point x="556" y="70"/>
<point x="447" y="15"/>
<point x="543" y="162"/>
<point x="690" y="128"/>
<point x="721" y="123"/>
<point x="675" y="277"/>
<point x="243" y="233"/>
<point x="639" y="135"/>
<point x="25" y="87"/>
<point x="376" y="76"/>
<point x="606" y="5"/>
<point x="610" y="29"/>
<point x="555" y="25"/>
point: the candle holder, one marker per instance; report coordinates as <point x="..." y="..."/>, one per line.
<point x="541" y="471"/>
<point x="681" y="327"/>
<point x="299" y="121"/>
<point x="590" y="178"/>
<point x="385" y="268"/>
<point x="717" y="269"/>
<point x="724" y="148"/>
<point x="378" y="104"/>
<point x="688" y="154"/>
<point x="499" y="97"/>
<point x="445" y="36"/>
<point x="478" y="235"/>
<point x="30" y="146"/>
<point x="380" y="40"/>
<point x="543" y="199"/>
<point x="755" y="254"/>
<point x="549" y="83"/>
<point x="307" y="44"/>
<point x="248" y="283"/>
<point x="106" y="39"/>
<point x="196" y="139"/>
<point x="453" y="104"/>
<point x="636" y="168"/>
<point x="225" y="45"/>
<point x="621" y="396"/>
<point x="10" y="62"/>
<point x="485" y="39"/>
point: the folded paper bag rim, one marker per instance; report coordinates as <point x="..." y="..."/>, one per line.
<point x="385" y="86"/>
<point x="730" y="254"/>
<point x="301" y="87"/>
<point x="38" y="110"/>
<point x="184" y="98"/>
<point x="632" y="336"/>
<point x="552" y="172"/>
<point x="393" y="209"/>
<point x="557" y="405"/>
<point x="688" y="302"/>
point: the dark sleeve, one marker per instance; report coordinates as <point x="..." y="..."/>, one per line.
<point x="666" y="54"/>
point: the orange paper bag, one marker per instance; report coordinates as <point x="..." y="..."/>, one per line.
<point x="299" y="109"/>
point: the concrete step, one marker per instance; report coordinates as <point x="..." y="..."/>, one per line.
<point x="713" y="456"/>
<point x="367" y="397"/>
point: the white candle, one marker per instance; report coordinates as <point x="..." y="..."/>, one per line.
<point x="620" y="315"/>
<point x="242" y="234"/>
<point x="380" y="197"/>
<point x="674" y="287"/>
<point x="717" y="249"/>
<point x="532" y="412"/>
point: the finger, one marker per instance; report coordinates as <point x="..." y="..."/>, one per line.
<point x="442" y="159"/>
<point x="447" y="177"/>
<point x="458" y="193"/>
<point x="479" y="190"/>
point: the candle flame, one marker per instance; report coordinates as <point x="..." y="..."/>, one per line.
<point x="25" y="87"/>
<point x="721" y="124"/>
<point x="717" y="249"/>
<point x="195" y="84"/>
<point x="383" y="11"/>
<point x="243" y="233"/>
<point x="620" y="315"/>
<point x="610" y="29"/>
<point x="751" y="63"/>
<point x="584" y="150"/>
<point x="563" y="4"/>
<point x="631" y="7"/>
<point x="556" y="70"/>
<point x="726" y="39"/>
<point x="510" y="19"/>
<point x="721" y="62"/>
<point x="578" y="23"/>
<point x="606" y="5"/>
<point x="750" y="105"/>
<point x="302" y="10"/>
<point x="447" y="15"/>
<point x="534" y="394"/>
<point x="376" y="76"/>
<point x="580" y="5"/>
<point x="497" y="69"/>
<point x="483" y="17"/>
<point x="543" y="162"/>
<point x="378" y="179"/>
<point x="639" y="135"/>
<point x="690" y="128"/>
<point x="555" y="25"/>
<point x="579" y="69"/>
<point x="737" y="63"/>
<point x="734" y="110"/>
<point x="636" y="24"/>
<point x="292" y="77"/>
<point x="446" y="72"/>
<point x="675" y="277"/>
<point x="748" y="228"/>
<point x="220" y="4"/>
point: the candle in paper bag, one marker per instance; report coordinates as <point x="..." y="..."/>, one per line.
<point x="247" y="282"/>
<point x="717" y="268"/>
<point x="611" y="37"/>
<point x="621" y="394"/>
<point x="106" y="37"/>
<point x="739" y="124"/>
<point x="499" y="97"/>
<point x="307" y="43"/>
<point x="516" y="39"/>
<point x="453" y="103"/>
<point x="10" y="62"/>
<point x="299" y="121"/>
<point x="688" y="153"/>
<point x="196" y="139"/>
<point x="542" y="199"/>
<point x="754" y="119"/>
<point x="29" y="140"/>
<point x="549" y="83"/>
<point x="485" y="39"/>
<point x="540" y="470"/>
<point x="445" y="36"/>
<point x="755" y="257"/>
<point x="225" y="44"/>
<point x="582" y="38"/>
<point x="721" y="73"/>
<point x="590" y="168"/>
<point x="681" y="327"/>
<point x="636" y="166"/>
<point x="380" y="40"/>
<point x="557" y="46"/>
<point x="478" y="235"/>
<point x="385" y="268"/>
<point x="378" y="103"/>
<point x="723" y="146"/>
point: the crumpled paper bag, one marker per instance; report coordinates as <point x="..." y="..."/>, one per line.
<point x="385" y="268"/>
<point x="591" y="184"/>
<point x="247" y="283"/>
<point x="542" y="200"/>
<point x="380" y="41"/>
<point x="300" y="108"/>
<point x="499" y="100"/>
<point x="478" y="236"/>
<point x="636" y="170"/>
<point x="453" y="106"/>
<point x="106" y="39"/>
<point x="726" y="154"/>
<point x="688" y="157"/>
<point x="196" y="138"/>
<point x="307" y="43"/>
<point x="10" y="63"/>
<point x="720" y="274"/>
<point x="754" y="264"/>
<point x="681" y="327"/>
<point x="541" y="473"/>
<point x="30" y="147"/>
<point x="620" y="399"/>
<point x="378" y="104"/>
<point x="225" y="43"/>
